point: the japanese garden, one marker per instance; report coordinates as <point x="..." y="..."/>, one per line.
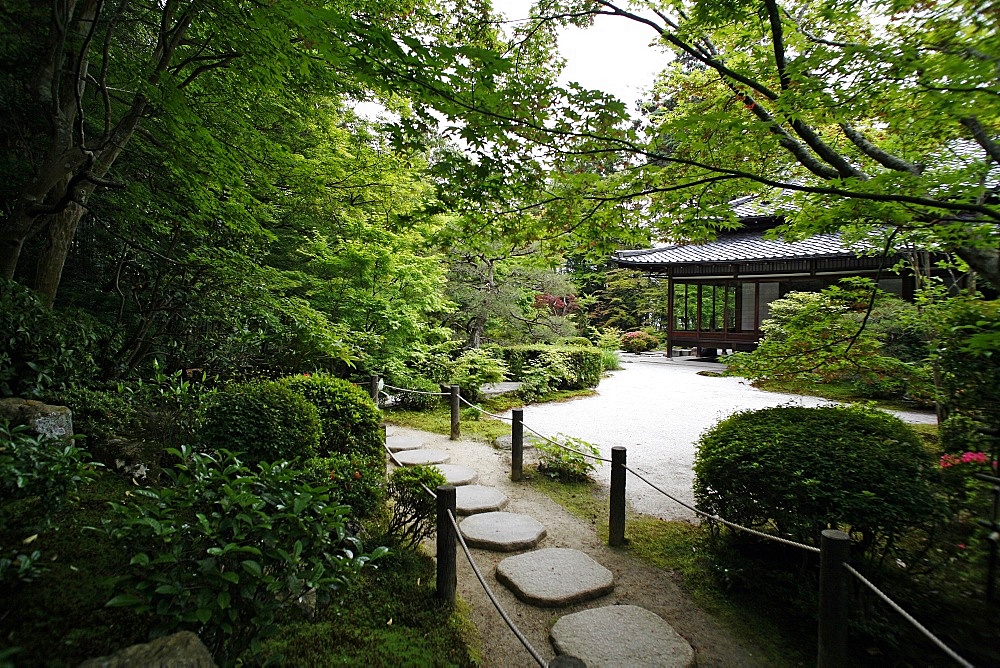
<point x="251" y="251"/>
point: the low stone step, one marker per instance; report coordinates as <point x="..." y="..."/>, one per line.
<point x="502" y="532"/>
<point x="404" y="442"/>
<point x="621" y="635"/>
<point x="554" y="577"/>
<point x="415" y="457"/>
<point x="474" y="499"/>
<point x="458" y="475"/>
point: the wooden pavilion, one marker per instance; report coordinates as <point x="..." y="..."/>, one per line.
<point x="720" y="291"/>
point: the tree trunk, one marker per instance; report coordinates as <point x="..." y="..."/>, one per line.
<point x="48" y="273"/>
<point x="985" y="262"/>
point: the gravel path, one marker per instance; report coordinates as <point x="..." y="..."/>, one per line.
<point x="635" y="582"/>
<point x="657" y="408"/>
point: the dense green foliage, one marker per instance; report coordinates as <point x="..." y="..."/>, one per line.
<point x="639" y="342"/>
<point x="42" y="350"/>
<point x="475" y="368"/>
<point x="425" y="396"/>
<point x="39" y="476"/>
<point x="579" y="367"/>
<point x="967" y="356"/>
<point x="262" y="422"/>
<point x="414" y="510"/>
<point x="221" y="549"/>
<point x="568" y="460"/>
<point x="354" y="480"/>
<point x="795" y="471"/>
<point x="350" y="421"/>
<point x="389" y="617"/>
<point x="852" y="333"/>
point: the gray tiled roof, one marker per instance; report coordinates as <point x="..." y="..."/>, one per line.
<point x="737" y="247"/>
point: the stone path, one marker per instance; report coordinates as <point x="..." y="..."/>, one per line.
<point x="549" y="577"/>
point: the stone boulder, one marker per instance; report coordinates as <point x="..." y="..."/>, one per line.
<point x="180" y="650"/>
<point x="51" y="421"/>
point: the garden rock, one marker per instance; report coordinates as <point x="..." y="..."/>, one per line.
<point x="554" y="577"/>
<point x="425" y="457"/>
<point x="473" y="499"/>
<point x="404" y="442"/>
<point x="621" y="635"/>
<point x="502" y="532"/>
<point x="180" y="650"/>
<point x="457" y="475"/>
<point x="43" y="419"/>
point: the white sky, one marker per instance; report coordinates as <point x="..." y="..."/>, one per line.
<point x="613" y="55"/>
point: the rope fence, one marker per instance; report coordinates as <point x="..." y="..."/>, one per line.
<point x="450" y="579"/>
<point x="833" y="552"/>
<point x="493" y="599"/>
<point x="908" y="617"/>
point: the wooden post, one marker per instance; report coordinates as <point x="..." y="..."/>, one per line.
<point x="516" y="444"/>
<point x="373" y="387"/>
<point x="835" y="550"/>
<point x="447" y="565"/>
<point x="456" y="425"/>
<point x="616" y="520"/>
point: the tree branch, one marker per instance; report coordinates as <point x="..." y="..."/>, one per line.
<point x="877" y="154"/>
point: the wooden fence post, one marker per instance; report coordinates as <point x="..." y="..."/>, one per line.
<point x="373" y="387"/>
<point x="516" y="444"/>
<point x="835" y="550"/>
<point x="447" y="565"/>
<point x="616" y="519"/>
<point x="456" y="425"/>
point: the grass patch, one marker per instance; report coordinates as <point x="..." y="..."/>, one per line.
<point x="475" y="425"/>
<point x="681" y="547"/>
<point x="834" y="391"/>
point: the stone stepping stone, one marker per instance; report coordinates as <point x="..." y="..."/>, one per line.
<point x="554" y="577"/>
<point x="404" y="442"/>
<point x="502" y="532"/>
<point x="473" y="499"/>
<point x="621" y="635"/>
<point x="457" y="475"/>
<point x="415" y="457"/>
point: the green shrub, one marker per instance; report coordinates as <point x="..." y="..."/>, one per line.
<point x="610" y="339"/>
<point x="473" y="369"/>
<point x="547" y="373"/>
<point x="585" y="364"/>
<point x="795" y="471"/>
<point x="426" y="397"/>
<point x="610" y="360"/>
<point x="572" y="463"/>
<point x="263" y="421"/>
<point x="100" y="416"/>
<point x="41" y="349"/>
<point x="576" y="341"/>
<point x="38" y="477"/>
<point x="352" y="424"/>
<point x="414" y="511"/>
<point x="639" y="342"/>
<point x="173" y="405"/>
<point x="355" y="481"/>
<point x="221" y="550"/>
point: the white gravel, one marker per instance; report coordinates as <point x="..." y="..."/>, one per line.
<point x="657" y="408"/>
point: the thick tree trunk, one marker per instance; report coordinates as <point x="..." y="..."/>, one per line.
<point x="985" y="262"/>
<point x="48" y="273"/>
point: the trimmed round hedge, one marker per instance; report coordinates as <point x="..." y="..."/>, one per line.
<point x="262" y="422"/>
<point x="795" y="471"/>
<point x="352" y="424"/>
